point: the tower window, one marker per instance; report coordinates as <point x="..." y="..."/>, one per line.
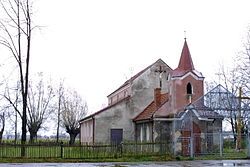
<point x="189" y="89"/>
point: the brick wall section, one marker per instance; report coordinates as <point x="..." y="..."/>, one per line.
<point x="157" y="97"/>
<point x="179" y="91"/>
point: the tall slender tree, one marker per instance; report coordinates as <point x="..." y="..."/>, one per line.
<point x="15" y="34"/>
<point x="59" y="95"/>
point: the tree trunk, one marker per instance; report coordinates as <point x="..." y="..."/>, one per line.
<point x="1" y="134"/>
<point x="2" y="130"/>
<point x="24" y="130"/>
<point x="72" y="138"/>
<point x="58" y="119"/>
<point x="16" y="128"/>
<point x="33" y="135"/>
<point x="233" y="129"/>
<point x="25" y="83"/>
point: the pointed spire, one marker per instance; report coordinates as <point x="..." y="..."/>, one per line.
<point x="185" y="62"/>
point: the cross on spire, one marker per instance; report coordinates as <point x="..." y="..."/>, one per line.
<point x="160" y="71"/>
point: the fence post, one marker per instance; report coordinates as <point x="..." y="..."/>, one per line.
<point x="174" y="146"/>
<point x="248" y="138"/>
<point x="61" y="149"/>
<point x="221" y="144"/>
<point x="248" y="145"/>
<point x="191" y="147"/>
<point x="121" y="145"/>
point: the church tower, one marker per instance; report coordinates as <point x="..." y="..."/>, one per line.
<point x="186" y="83"/>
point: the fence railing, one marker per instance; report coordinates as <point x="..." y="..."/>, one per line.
<point x="41" y="150"/>
<point x="218" y="145"/>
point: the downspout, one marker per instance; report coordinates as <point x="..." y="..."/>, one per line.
<point x="152" y="130"/>
<point x="136" y="135"/>
<point x="93" y="135"/>
<point x="80" y="135"/>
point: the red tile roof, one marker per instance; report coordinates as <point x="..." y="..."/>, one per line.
<point x="149" y="111"/>
<point x="167" y="111"/>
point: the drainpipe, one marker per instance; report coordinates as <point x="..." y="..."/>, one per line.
<point x="153" y="131"/>
<point x="93" y="130"/>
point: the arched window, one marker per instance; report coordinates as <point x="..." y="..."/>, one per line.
<point x="189" y="89"/>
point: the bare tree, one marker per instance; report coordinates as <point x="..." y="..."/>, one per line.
<point x="244" y="64"/>
<point x="59" y="95"/>
<point x="13" y="102"/>
<point x="39" y="98"/>
<point x="16" y="29"/>
<point x="9" y="107"/>
<point x="244" y="71"/>
<point x="232" y="81"/>
<point x="74" y="108"/>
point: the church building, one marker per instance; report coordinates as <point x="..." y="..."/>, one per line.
<point x="155" y="105"/>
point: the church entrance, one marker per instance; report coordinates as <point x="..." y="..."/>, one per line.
<point x="186" y="140"/>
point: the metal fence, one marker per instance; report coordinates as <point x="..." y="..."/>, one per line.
<point x="219" y="145"/>
<point x="53" y="150"/>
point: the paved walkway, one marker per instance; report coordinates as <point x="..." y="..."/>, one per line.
<point x="210" y="163"/>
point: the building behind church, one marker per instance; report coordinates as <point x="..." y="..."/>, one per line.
<point x="155" y="105"/>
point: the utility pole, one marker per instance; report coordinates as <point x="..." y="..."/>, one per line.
<point x="238" y="143"/>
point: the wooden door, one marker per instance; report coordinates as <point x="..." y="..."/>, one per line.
<point x="186" y="140"/>
<point x="197" y="139"/>
<point x="116" y="136"/>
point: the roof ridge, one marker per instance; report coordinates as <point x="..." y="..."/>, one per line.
<point x="137" y="75"/>
<point x="103" y="109"/>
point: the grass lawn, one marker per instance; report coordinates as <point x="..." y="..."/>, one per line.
<point x="38" y="153"/>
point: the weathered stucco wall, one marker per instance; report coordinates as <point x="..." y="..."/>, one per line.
<point x="143" y="87"/>
<point x="86" y="132"/>
<point x="120" y="115"/>
<point x="116" y="117"/>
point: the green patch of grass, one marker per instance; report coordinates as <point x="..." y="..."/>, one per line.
<point x="59" y="160"/>
<point x="49" y="152"/>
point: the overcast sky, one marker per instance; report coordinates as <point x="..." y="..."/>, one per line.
<point x="96" y="45"/>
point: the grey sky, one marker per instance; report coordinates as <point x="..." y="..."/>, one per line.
<point x="97" y="44"/>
